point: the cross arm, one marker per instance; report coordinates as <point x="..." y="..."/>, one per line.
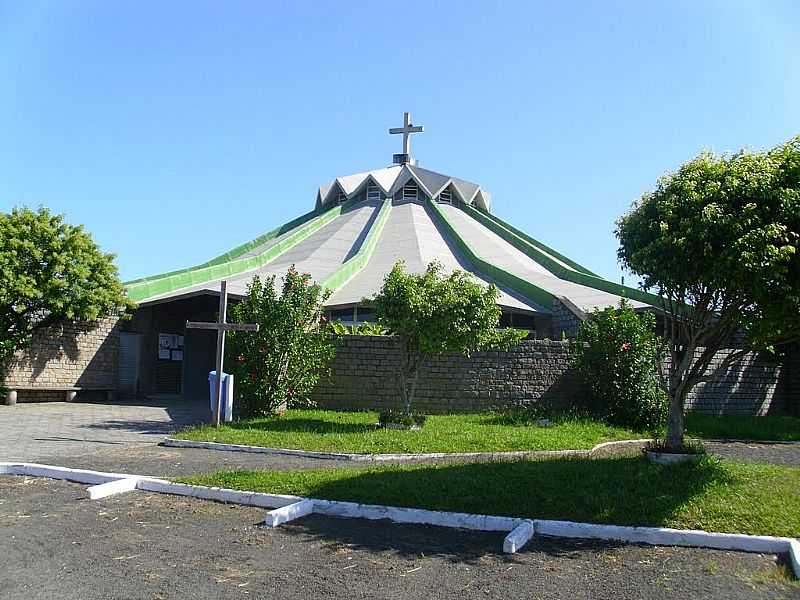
<point x="222" y="326"/>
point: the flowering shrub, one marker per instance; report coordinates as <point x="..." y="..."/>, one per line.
<point x="617" y="354"/>
<point x="279" y="365"/>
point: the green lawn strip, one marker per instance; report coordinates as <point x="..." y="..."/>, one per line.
<point x="357" y="432"/>
<point x="712" y="495"/>
<point x="735" y="427"/>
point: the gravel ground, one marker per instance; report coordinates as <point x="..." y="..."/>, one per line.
<point x="57" y="545"/>
<point x="777" y="453"/>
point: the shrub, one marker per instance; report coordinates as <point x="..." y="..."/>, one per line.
<point x="435" y="312"/>
<point x="340" y="328"/>
<point x="617" y="354"/>
<point x="387" y="418"/>
<point x="279" y="365"/>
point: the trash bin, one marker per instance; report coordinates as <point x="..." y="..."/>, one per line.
<point x="227" y="395"/>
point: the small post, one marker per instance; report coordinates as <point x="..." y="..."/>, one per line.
<point x="223" y="308"/>
<point x="220" y="326"/>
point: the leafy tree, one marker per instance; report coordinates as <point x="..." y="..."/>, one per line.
<point x="280" y="364"/>
<point x="618" y="353"/>
<point x="718" y="240"/>
<point x="434" y="313"/>
<point x="50" y="271"/>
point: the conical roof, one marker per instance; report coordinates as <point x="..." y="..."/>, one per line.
<point x="364" y="223"/>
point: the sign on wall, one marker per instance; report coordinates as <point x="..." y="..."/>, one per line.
<point x="170" y="346"/>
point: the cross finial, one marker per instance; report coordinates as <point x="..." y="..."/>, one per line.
<point x="407" y="129"/>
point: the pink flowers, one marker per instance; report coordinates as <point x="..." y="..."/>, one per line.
<point x="625" y="346"/>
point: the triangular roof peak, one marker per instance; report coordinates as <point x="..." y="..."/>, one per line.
<point x="391" y="179"/>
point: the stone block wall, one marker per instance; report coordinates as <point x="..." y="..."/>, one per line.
<point x="69" y="354"/>
<point x="754" y="385"/>
<point x="565" y="320"/>
<point x="364" y="377"/>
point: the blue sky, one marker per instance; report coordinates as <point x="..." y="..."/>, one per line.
<point x="177" y="130"/>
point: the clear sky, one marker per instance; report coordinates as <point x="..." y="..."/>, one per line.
<point x="176" y="130"/>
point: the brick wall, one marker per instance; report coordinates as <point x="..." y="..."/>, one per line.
<point x="364" y="376"/>
<point x="755" y="385"/>
<point x="69" y="354"/>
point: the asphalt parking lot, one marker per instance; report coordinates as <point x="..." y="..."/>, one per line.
<point x="57" y="544"/>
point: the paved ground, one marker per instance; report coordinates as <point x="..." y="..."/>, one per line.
<point x="56" y="545"/>
<point x="777" y="453"/>
<point x="33" y="431"/>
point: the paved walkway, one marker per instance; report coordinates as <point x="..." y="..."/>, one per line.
<point x="31" y="432"/>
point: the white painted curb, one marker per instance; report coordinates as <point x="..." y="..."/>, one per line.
<point x="418" y="516"/>
<point x="110" y="488"/>
<point x="521" y="530"/>
<point x="519" y="536"/>
<point x="257" y="499"/>
<point x="658" y="536"/>
<point x="290" y="512"/>
<point x="176" y="443"/>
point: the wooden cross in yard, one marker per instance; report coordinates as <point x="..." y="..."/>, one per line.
<point x="220" y="327"/>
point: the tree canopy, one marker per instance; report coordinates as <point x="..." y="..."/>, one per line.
<point x="50" y="271"/>
<point x="436" y="313"/>
<point x="718" y="240"/>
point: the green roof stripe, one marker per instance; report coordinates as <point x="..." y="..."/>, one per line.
<point x="349" y="268"/>
<point x="189" y="277"/>
<point x="582" y="278"/>
<point x="526" y="288"/>
<point x="513" y="235"/>
<point x="236" y="252"/>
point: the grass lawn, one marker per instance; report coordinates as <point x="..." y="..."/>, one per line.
<point x="786" y="429"/>
<point x="357" y="432"/>
<point x="331" y="431"/>
<point x="712" y="495"/>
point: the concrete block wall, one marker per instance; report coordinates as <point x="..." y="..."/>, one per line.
<point x="364" y="376"/>
<point x="754" y="385"/>
<point x="69" y="354"/>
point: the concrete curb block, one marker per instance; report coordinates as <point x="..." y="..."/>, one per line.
<point x="657" y="536"/>
<point x="518" y="537"/>
<point x="176" y="443"/>
<point x="111" y="488"/>
<point x="417" y="516"/>
<point x="520" y="530"/>
<point x="290" y="512"/>
<point x="76" y="475"/>
<point x="794" y="557"/>
<point x="257" y="499"/>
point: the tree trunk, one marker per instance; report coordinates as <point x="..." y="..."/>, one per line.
<point x="410" y="393"/>
<point x="677" y="391"/>
<point x="675" y="419"/>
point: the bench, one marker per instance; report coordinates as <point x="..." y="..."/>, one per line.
<point x="70" y="391"/>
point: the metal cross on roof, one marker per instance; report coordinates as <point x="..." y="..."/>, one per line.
<point x="407" y="129"/>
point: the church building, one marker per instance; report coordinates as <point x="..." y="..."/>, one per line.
<point x="359" y="227"/>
